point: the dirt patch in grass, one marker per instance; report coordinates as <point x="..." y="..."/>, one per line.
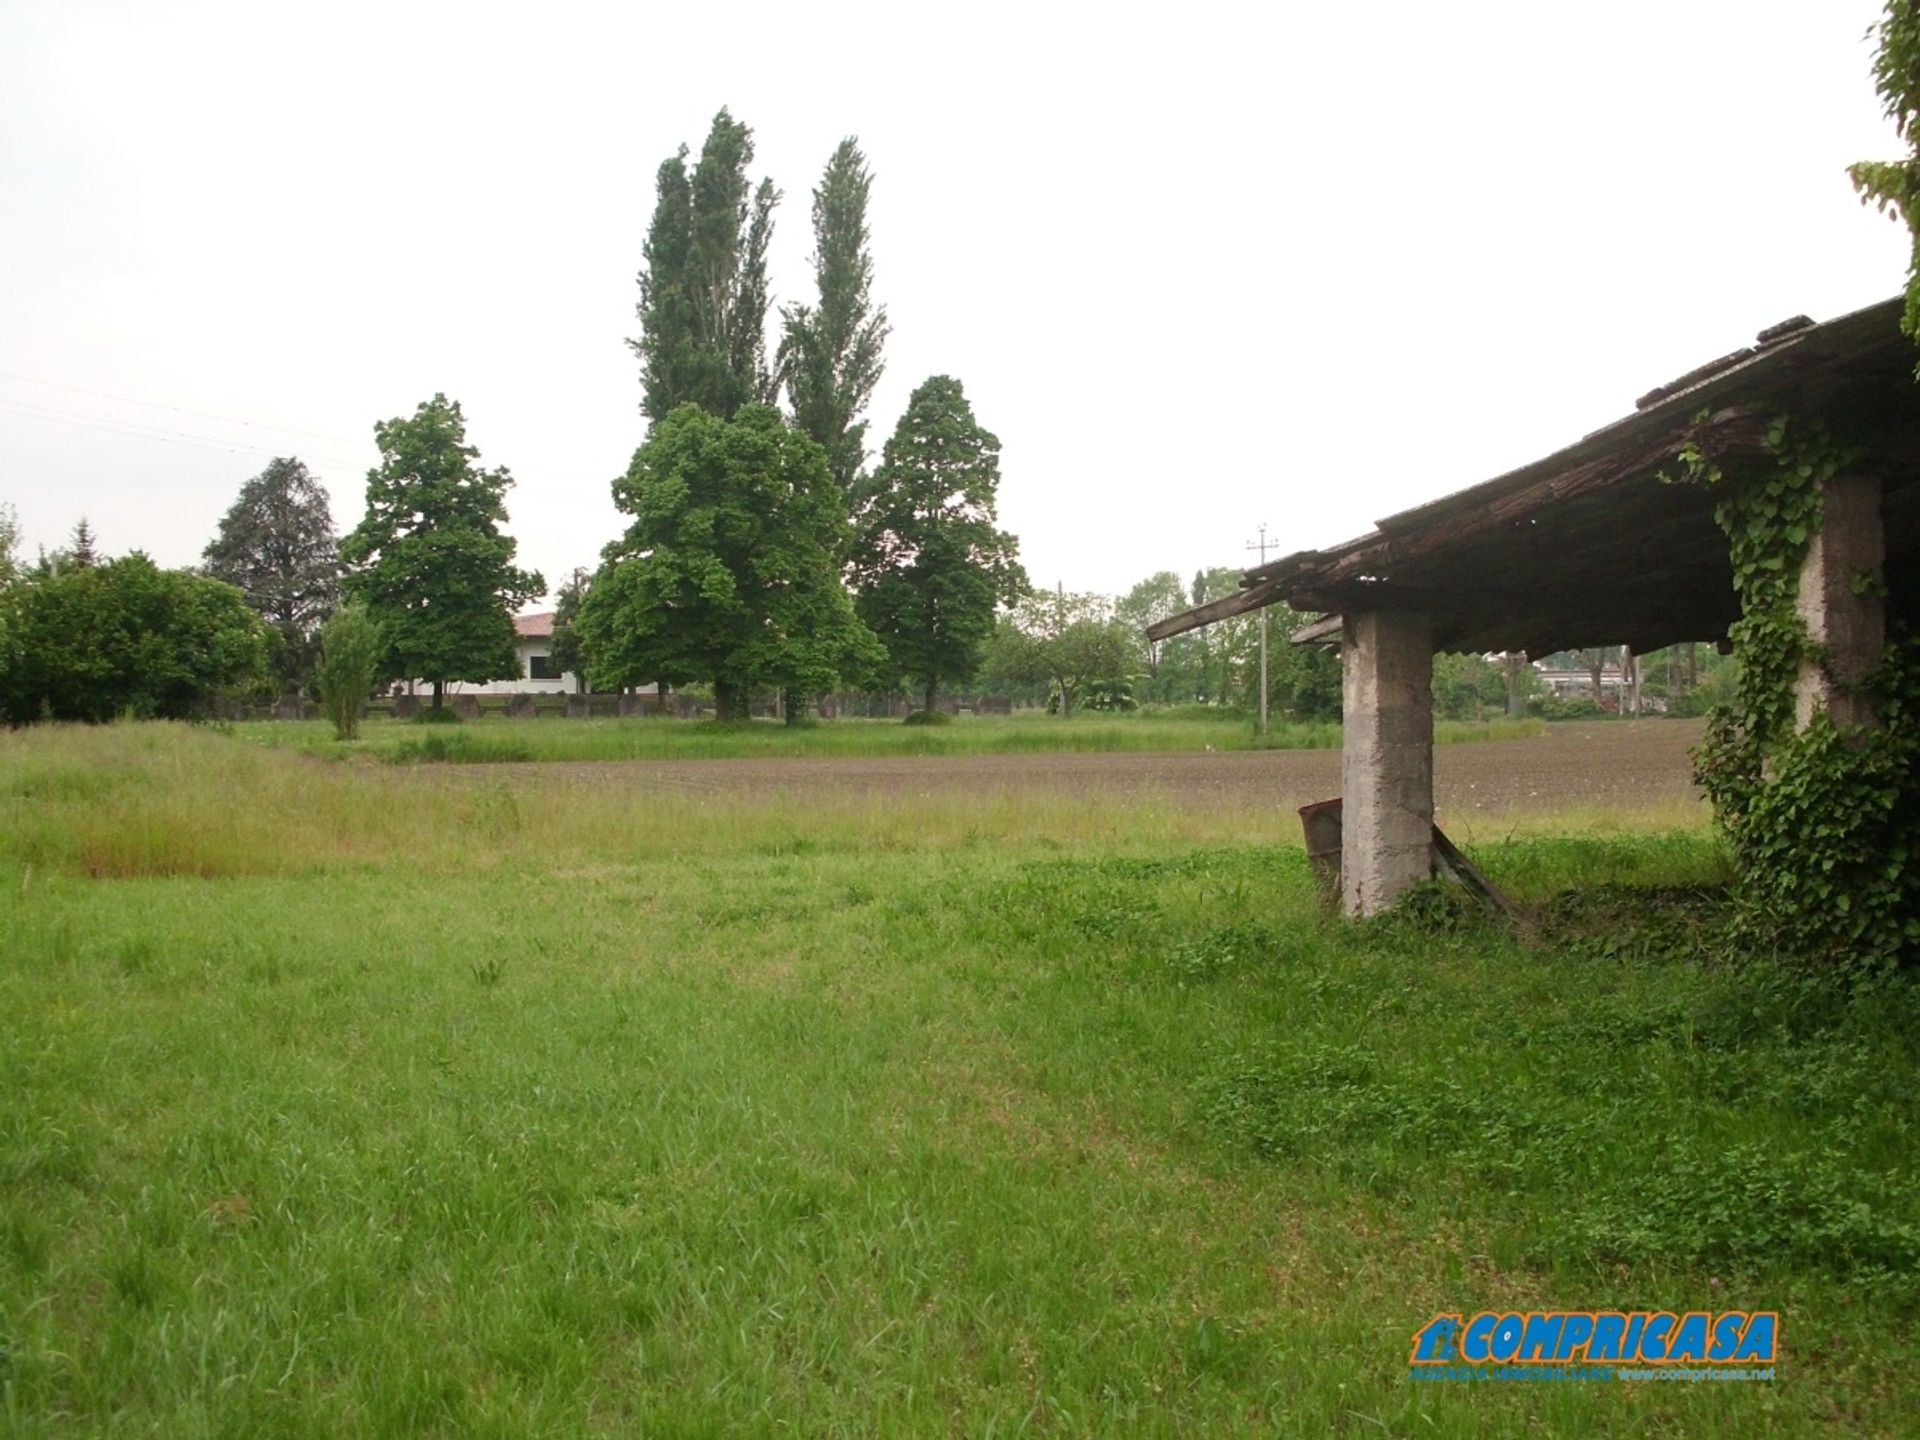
<point x="1624" y="764"/>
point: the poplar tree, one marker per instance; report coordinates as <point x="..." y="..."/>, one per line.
<point x="703" y="291"/>
<point x="829" y="358"/>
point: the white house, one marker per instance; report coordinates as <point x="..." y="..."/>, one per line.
<point x="534" y="647"/>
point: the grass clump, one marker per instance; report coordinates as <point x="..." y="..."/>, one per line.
<point x="461" y="747"/>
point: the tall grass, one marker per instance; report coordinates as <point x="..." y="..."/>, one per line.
<point x="496" y="740"/>
<point x="360" y="1100"/>
<point x="157" y="800"/>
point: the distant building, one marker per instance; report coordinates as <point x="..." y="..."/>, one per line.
<point x="533" y="647"/>
<point x="1562" y="683"/>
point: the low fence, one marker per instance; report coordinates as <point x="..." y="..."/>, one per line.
<point x="475" y="707"/>
<point x="584" y="707"/>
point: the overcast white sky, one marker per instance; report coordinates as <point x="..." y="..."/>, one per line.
<point x="1199" y="266"/>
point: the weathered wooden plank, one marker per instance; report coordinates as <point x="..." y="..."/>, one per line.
<point x="1238" y="603"/>
<point x="1320" y="632"/>
<point x="1448" y="854"/>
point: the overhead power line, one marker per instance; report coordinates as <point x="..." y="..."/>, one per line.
<point x="181" y="409"/>
<point x="135" y="430"/>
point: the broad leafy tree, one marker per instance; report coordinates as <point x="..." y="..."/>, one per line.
<point x="727" y="573"/>
<point x="1466" y="687"/>
<point x="703" y="291"/>
<point x="1158" y="597"/>
<point x="1233" y="645"/>
<point x="830" y="351"/>
<point x="1071" y="642"/>
<point x="277" y="545"/>
<point x="429" y="560"/>
<point x="126" y="638"/>
<point x="1303" y="681"/>
<point x="930" y="566"/>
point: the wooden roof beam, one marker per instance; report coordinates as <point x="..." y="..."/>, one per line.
<point x="1238" y="603"/>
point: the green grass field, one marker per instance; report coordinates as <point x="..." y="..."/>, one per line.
<point x="362" y="1100"/>
<point x="496" y="739"/>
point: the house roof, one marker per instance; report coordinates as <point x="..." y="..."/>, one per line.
<point x="1592" y="545"/>
<point x="534" y="627"/>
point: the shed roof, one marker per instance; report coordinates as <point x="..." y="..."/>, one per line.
<point x="1592" y="545"/>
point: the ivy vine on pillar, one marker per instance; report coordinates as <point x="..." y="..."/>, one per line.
<point x="1824" y="820"/>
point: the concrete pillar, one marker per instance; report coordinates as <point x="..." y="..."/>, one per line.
<point x="1386" y="758"/>
<point x="1848" y="627"/>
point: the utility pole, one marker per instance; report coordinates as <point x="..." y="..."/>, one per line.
<point x="1261" y="546"/>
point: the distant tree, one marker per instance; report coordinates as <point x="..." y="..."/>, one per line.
<point x="277" y="545"/>
<point x="124" y="637"/>
<point x="430" y="563"/>
<point x="569" y="658"/>
<point x="1595" y="659"/>
<point x="12" y="589"/>
<point x="728" y="572"/>
<point x="829" y="355"/>
<point x="349" y="664"/>
<point x="929" y="565"/>
<point x="703" y="292"/>
<point x="81" y="553"/>
<point x="9" y="544"/>
<point x="1465" y="687"/>
<point x="1160" y="596"/>
<point x="1233" y="645"/>
<point x="1303" y="681"/>
<point x="1069" y="641"/>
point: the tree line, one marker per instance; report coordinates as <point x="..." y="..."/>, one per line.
<point x="761" y="550"/>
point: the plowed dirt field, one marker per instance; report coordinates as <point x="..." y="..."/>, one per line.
<point x="1624" y="764"/>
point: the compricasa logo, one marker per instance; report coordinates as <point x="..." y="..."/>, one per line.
<point x="1598" y="1345"/>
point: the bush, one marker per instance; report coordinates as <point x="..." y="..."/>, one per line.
<point x="1229" y="714"/>
<point x="349" y="658"/>
<point x="127" y="638"/>
<point x="430" y="716"/>
<point x="1570" y="707"/>
<point x="928" y="717"/>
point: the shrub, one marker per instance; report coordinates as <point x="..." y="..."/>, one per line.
<point x="1568" y="707"/>
<point x="349" y="658"/>
<point x="128" y="638"/>
<point x="1229" y="714"/>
